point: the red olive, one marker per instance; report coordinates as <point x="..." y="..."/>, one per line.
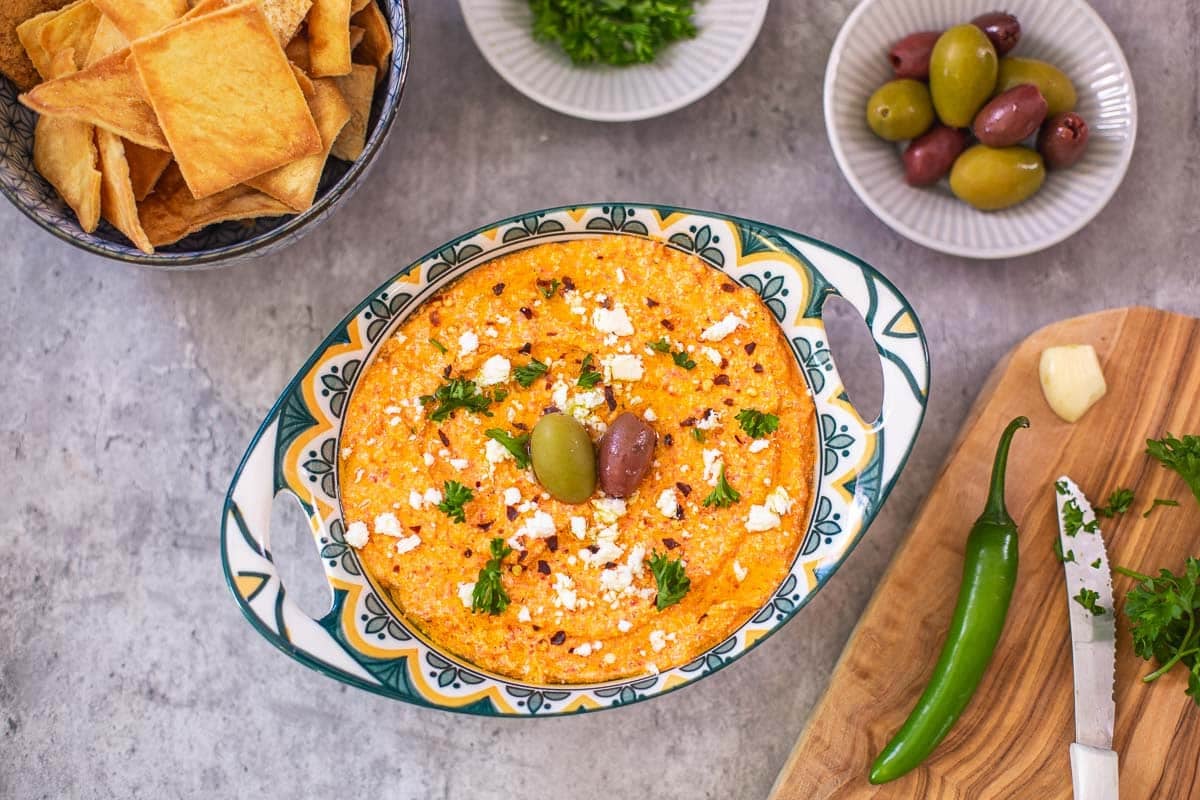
<point x="626" y="451"/>
<point x="1062" y="140"/>
<point x="1002" y="28"/>
<point x="930" y="156"/>
<point x="910" y="55"/>
<point x="1010" y="117"/>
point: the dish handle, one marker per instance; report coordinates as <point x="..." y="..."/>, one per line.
<point x="253" y="578"/>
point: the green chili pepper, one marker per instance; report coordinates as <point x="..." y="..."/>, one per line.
<point x="989" y="574"/>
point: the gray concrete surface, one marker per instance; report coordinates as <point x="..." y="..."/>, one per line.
<point x="125" y="668"/>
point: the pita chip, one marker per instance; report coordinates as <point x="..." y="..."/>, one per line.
<point x="64" y="152"/>
<point x="171" y="213"/>
<point x="359" y="90"/>
<point x="117" y="202"/>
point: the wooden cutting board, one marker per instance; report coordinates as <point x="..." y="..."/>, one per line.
<point x="1012" y="741"/>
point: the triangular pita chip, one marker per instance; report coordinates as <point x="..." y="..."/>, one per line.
<point x="171" y="213"/>
<point x="14" y="62"/>
<point x="359" y="90"/>
<point x="64" y="152"/>
<point x="296" y="183"/>
<point x="117" y="203"/>
<point x="285" y="16"/>
<point x="138" y="18"/>
<point x="29" y="33"/>
<point x="329" y="38"/>
<point x="376" y="47"/>
<point x="107" y="40"/>
<point x="145" y="168"/>
<point x="297" y="53"/>
<point x="72" y="28"/>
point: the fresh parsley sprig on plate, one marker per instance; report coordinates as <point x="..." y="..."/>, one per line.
<point x="757" y="424"/>
<point x="617" y="32"/>
<point x="517" y="445"/>
<point x="724" y="494"/>
<point x="680" y="357"/>
<point x="673" y="582"/>
<point x="588" y="375"/>
<point x="454" y="497"/>
<point x="456" y="394"/>
<point x="1164" y="615"/>
<point x="488" y="594"/>
<point x="529" y="373"/>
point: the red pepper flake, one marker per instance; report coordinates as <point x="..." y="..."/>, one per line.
<point x="610" y="565"/>
<point x="608" y="303"/>
<point x="678" y="512"/>
<point x="568" y="284"/>
<point x="498" y="289"/>
<point x="666" y="323"/>
<point x="435" y="318"/>
<point x="721" y="380"/>
<point x="688" y="422"/>
<point x="684" y="489"/>
<point x="467" y="553"/>
<point x="668" y="440"/>
<point x="758" y="368"/>
<point x="521" y="555"/>
<point x="510" y="512"/>
<point x="521" y="426"/>
<point x="445" y="439"/>
<point x="415" y="528"/>
<point x="526" y="312"/>
<point x="559" y="637"/>
<point x="526" y="349"/>
<point x="483" y="526"/>
<point x="728" y="287"/>
<point x="670" y="543"/>
<point x="610" y="399"/>
<point x="750" y="348"/>
<point x="651" y="302"/>
<point x="396" y="568"/>
<point x="593" y="548"/>
<point x="728" y="401"/>
<point x="446" y="373"/>
<point x="552" y="542"/>
<point x="543" y="567"/>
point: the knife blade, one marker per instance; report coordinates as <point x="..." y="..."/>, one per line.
<point x="1093" y="645"/>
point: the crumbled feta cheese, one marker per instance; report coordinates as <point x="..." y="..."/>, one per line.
<point x="460" y="463"/>
<point x="357" y="534"/>
<point x="668" y="504"/>
<point x="429" y="459"/>
<point x="610" y="658"/>
<point x="584" y="650"/>
<point x="713" y="462"/>
<point x="415" y="500"/>
<point x="651" y="667"/>
<point x="712" y="355"/>
<point x="758" y="445"/>
<point x="564" y="591"/>
<point x="523" y="615"/>
<point x="622" y="367"/>
<point x="512" y="495"/>
<point x="718" y="331"/>
<point x="433" y="496"/>
<point x="608" y="509"/>
<point x="649" y="415"/>
<point x="495" y="452"/>
<point x="579" y="527"/>
<point x="778" y="501"/>
<point x="607" y="549"/>
<point x="539" y="526"/>
<point x="658" y="640"/>
<point x="739" y="571"/>
<point x="710" y="420"/>
<point x="468" y="343"/>
<point x="761" y="518"/>
<point x="464" y="593"/>
<point x="402" y="546"/>
<point x="589" y="399"/>
<point x="615" y="322"/>
<point x="495" y="370"/>
<point x="492" y="332"/>
<point x="388" y="525"/>
<point x="624" y="625"/>
<point x="620" y="275"/>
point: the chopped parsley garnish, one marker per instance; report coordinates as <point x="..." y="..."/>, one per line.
<point x="698" y="434"/>
<point x="617" y="32"/>
<point x="680" y="357"/>
<point x="456" y="394"/>
<point x="1087" y="598"/>
<point x="517" y="445"/>
<point x="1061" y="487"/>
<point x="441" y="347"/>
<point x="757" y="424"/>
<point x="499" y="395"/>
<point x="548" y="288"/>
<point x="455" y="496"/>
<point x="1072" y="519"/>
<point x="1118" y="503"/>
<point x="1096" y="564"/>
<point x="588" y="376"/>
<point x="724" y="495"/>
<point x="673" y="582"/>
<point x="1068" y="558"/>
<point x="529" y="373"/>
<point x="488" y="594"/>
<point x="1159" y="501"/>
<point x="1165" y="616"/>
<point x="1179" y="455"/>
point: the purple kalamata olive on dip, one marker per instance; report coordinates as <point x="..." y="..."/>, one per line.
<point x="1062" y="140"/>
<point x="910" y="56"/>
<point x="929" y="157"/>
<point x="1010" y="117"/>
<point x="1002" y="28"/>
<point x="626" y="450"/>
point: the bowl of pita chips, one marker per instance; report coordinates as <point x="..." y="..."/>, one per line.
<point x="175" y="134"/>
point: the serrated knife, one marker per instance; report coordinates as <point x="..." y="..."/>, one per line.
<point x="1093" y="643"/>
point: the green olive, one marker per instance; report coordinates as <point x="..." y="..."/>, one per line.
<point x="1051" y="81"/>
<point x="992" y="178"/>
<point x="962" y="74"/>
<point x="900" y="110"/>
<point x="564" y="459"/>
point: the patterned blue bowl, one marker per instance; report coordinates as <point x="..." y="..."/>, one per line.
<point x="217" y="245"/>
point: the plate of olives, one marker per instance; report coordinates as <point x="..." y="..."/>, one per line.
<point x="980" y="132"/>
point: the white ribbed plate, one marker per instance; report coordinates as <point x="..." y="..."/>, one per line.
<point x="683" y="73"/>
<point x="1067" y="33"/>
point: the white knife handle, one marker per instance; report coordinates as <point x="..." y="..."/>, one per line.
<point x="1093" y="773"/>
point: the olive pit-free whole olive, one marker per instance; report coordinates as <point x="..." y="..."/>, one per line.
<point x="991" y="178"/>
<point x="1062" y="140"/>
<point x="910" y="56"/>
<point x="1051" y="81"/>
<point x="899" y="110"/>
<point x="1002" y="28"/>
<point x="564" y="459"/>
<point x="1010" y="117"/>
<point x="962" y="74"/>
<point x="929" y="157"/>
<point x="626" y="451"/>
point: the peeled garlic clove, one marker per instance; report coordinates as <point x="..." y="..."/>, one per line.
<point x="1072" y="380"/>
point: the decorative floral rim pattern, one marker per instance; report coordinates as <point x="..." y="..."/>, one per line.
<point x="363" y="641"/>
<point x="217" y="245"/>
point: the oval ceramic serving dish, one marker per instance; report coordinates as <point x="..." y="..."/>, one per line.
<point x="365" y="642"/>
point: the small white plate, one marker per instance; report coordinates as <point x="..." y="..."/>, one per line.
<point x="1067" y="33"/>
<point x="683" y="73"/>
